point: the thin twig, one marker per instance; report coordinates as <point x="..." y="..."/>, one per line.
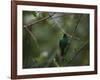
<point x="33" y="37"/>
<point x="74" y="30"/>
<point x="60" y="26"/>
<point x="38" y="21"/>
<point x="78" y="52"/>
<point x="77" y="24"/>
<point x="63" y="29"/>
<point x="55" y="62"/>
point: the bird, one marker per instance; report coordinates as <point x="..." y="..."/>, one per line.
<point x="63" y="43"/>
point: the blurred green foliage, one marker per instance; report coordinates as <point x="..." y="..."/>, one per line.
<point x="42" y="32"/>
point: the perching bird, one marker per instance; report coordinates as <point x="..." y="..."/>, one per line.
<point x="63" y="44"/>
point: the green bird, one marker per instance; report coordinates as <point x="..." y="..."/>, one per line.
<point x="63" y="45"/>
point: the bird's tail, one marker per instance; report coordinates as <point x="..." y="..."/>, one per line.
<point x="62" y="53"/>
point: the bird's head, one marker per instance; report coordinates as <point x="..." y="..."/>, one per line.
<point x="64" y="35"/>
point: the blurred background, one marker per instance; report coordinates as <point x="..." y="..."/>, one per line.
<point x="42" y="32"/>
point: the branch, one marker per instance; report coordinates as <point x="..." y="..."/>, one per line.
<point x="59" y="26"/>
<point x="62" y="28"/>
<point x="33" y="37"/>
<point x="47" y="17"/>
<point x="55" y="62"/>
<point x="74" y="31"/>
<point x="78" y="52"/>
<point x="77" y="24"/>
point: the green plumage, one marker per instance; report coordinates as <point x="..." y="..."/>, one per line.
<point x="63" y="44"/>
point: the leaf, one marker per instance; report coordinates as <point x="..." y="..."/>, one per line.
<point x="34" y="13"/>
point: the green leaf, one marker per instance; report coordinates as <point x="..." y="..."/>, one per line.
<point x="34" y="13"/>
